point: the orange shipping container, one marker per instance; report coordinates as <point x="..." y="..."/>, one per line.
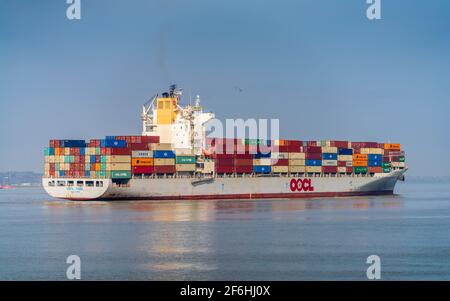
<point x="359" y="163"/>
<point x="142" y="161"/>
<point x="57" y="151"/>
<point x="392" y="146"/>
<point x="359" y="157"/>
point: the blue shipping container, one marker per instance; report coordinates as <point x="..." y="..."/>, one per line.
<point x="329" y="156"/>
<point x="313" y="162"/>
<point x="375" y="157"/>
<point x="113" y="143"/>
<point x="262" y="169"/>
<point x="72" y="143"/>
<point x="110" y="138"/>
<point x="163" y="154"/>
<point x="374" y="163"/>
<point x="345" y="151"/>
<point x="261" y="155"/>
<point x="82" y="151"/>
<point x="92" y="159"/>
<point x="87" y="173"/>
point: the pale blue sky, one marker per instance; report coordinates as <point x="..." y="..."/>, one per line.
<point x="320" y="66"/>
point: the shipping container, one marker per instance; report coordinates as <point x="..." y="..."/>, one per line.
<point x="115" y="159"/>
<point x="329" y="156"/>
<point x="185" y="160"/>
<point x="297" y="169"/>
<point x="185" y="167"/>
<point x="164" y="169"/>
<point x="163" y="162"/>
<point x="117" y="151"/>
<point x="360" y="157"/>
<point x="313" y="156"/>
<point x="163" y="154"/>
<point x="243" y="169"/>
<point x="359" y="163"/>
<point x="313" y="149"/>
<point x="374" y="163"/>
<point x="329" y="149"/>
<point x="243" y="162"/>
<point x="313" y="169"/>
<point x="359" y="169"/>
<point x="262" y="169"/>
<point x="265" y="161"/>
<point x="297" y="156"/>
<point x="375" y="157"/>
<point x="329" y="162"/>
<point x="225" y="162"/>
<point x="224" y="168"/>
<point x="298" y="162"/>
<point x="373" y="169"/>
<point x="142" y="161"/>
<point x="114" y="166"/>
<point x="313" y="162"/>
<point x="345" y="151"/>
<point x="329" y="169"/>
<point x="345" y="157"/>
<point x="277" y="155"/>
<point x="121" y="174"/>
<point x="392" y="146"/>
<point x="113" y="143"/>
<point x="280" y="169"/>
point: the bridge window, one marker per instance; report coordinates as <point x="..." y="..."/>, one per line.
<point x="80" y="183"/>
<point x="99" y="183"/>
<point x="61" y="183"/>
<point x="90" y="183"/>
<point x="51" y="183"/>
<point x="70" y="183"/>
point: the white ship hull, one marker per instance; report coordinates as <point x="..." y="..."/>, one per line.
<point x="273" y="187"/>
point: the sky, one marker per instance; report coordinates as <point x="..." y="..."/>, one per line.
<point x="320" y="66"/>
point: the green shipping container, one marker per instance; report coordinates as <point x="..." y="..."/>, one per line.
<point x="47" y="151"/>
<point x="103" y="166"/>
<point x="386" y="164"/>
<point x="386" y="169"/>
<point x="97" y="150"/>
<point x="101" y="174"/>
<point x="185" y="160"/>
<point x="66" y="159"/>
<point x="251" y="141"/>
<point x="124" y="174"/>
<point x="360" y="169"/>
<point x="87" y="166"/>
<point x="401" y="159"/>
<point x="103" y="159"/>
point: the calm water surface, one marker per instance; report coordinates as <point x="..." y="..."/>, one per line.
<point x="327" y="239"/>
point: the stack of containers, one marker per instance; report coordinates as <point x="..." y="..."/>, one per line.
<point x="262" y="162"/>
<point x="142" y="162"/>
<point x="243" y="163"/>
<point x="360" y="163"/>
<point x="345" y="160"/>
<point x="185" y="161"/>
<point x="313" y="157"/>
<point x="164" y="158"/>
<point x="329" y="158"/>
<point x="393" y="157"/>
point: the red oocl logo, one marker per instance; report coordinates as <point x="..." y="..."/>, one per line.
<point x="301" y="185"/>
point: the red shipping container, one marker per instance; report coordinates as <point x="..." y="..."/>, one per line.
<point x="339" y="144"/>
<point x="149" y="139"/>
<point x="313" y="156"/>
<point x="375" y="169"/>
<point x="349" y="169"/>
<point x="52" y="173"/>
<point x="52" y="143"/>
<point x="139" y="146"/>
<point x="143" y="169"/>
<point x="164" y="168"/>
<point x="280" y="162"/>
<point x="223" y="156"/>
<point x="329" y="169"/>
<point x="98" y="159"/>
<point x="243" y="156"/>
<point x="243" y="162"/>
<point x="243" y="169"/>
<point x="282" y="148"/>
<point x="314" y="149"/>
<point x="224" y="162"/>
<point x="103" y="151"/>
<point x="294" y="143"/>
<point x="108" y="151"/>
<point x="120" y="151"/>
<point x="311" y="143"/>
<point x="52" y="166"/>
<point x="342" y="163"/>
<point x="225" y="169"/>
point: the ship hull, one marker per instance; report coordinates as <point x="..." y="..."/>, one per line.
<point x="283" y="187"/>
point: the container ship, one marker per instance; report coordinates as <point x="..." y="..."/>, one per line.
<point x="173" y="159"/>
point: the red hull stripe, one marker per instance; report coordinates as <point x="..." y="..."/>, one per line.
<point x="251" y="196"/>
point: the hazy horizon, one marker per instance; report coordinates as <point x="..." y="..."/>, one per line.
<point x="321" y="67"/>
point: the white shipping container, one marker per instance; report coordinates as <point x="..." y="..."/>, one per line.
<point x="329" y="162"/>
<point x="297" y="169"/>
<point x="398" y="164"/>
<point x="313" y="168"/>
<point x="342" y="169"/>
<point x="280" y="169"/>
<point x="263" y="161"/>
<point x="142" y="154"/>
<point x="349" y="163"/>
<point x="276" y="155"/>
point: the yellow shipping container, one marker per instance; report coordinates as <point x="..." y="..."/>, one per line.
<point x="66" y="151"/>
<point x="360" y="157"/>
<point x="329" y="149"/>
<point x="297" y="169"/>
<point x="119" y="166"/>
<point x="280" y="169"/>
<point x="263" y="162"/>
<point x="297" y="162"/>
<point x="185" y="167"/>
<point x="313" y="168"/>
<point x="392" y="146"/>
<point x="184" y="151"/>
<point x="161" y="146"/>
<point x="142" y="161"/>
<point x="359" y="163"/>
<point x="296" y="155"/>
<point x="119" y="159"/>
<point x="345" y="157"/>
<point x="160" y="161"/>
